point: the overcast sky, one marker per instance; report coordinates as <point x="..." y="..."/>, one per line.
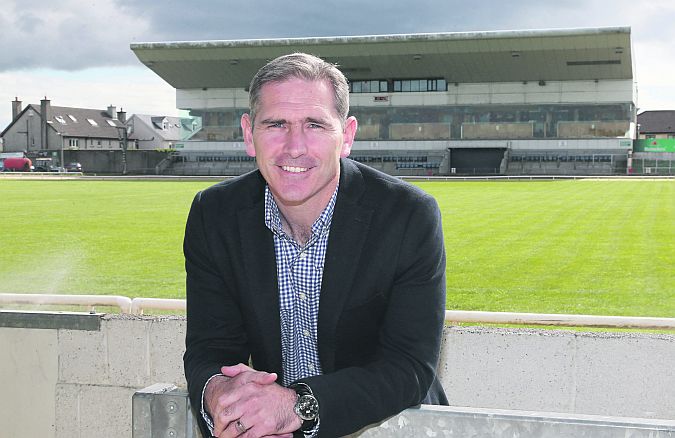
<point x="76" y="52"/>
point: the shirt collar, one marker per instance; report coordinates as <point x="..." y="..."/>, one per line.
<point x="273" y="218"/>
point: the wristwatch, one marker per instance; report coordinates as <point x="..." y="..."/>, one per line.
<point x="306" y="406"/>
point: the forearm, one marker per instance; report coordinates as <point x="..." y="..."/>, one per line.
<point x="214" y="335"/>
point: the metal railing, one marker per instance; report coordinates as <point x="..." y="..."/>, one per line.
<point x="137" y="306"/>
<point x="163" y="410"/>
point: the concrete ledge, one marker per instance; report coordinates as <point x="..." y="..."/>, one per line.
<point x="83" y="372"/>
<point x="163" y="410"/>
<point x="50" y="320"/>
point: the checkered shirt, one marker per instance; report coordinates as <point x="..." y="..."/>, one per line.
<point x="299" y="271"/>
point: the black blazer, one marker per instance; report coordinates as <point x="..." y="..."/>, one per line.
<point x="382" y="301"/>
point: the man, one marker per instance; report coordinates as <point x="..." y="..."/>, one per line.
<point x="315" y="285"/>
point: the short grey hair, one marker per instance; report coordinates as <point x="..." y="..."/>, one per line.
<point x="300" y="66"/>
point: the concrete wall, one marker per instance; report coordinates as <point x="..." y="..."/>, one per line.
<point x="15" y="138"/>
<point x="565" y="168"/>
<point x="110" y="161"/>
<point x="76" y="375"/>
<point x="419" y="131"/>
<point x="593" y="129"/>
<point x="495" y="130"/>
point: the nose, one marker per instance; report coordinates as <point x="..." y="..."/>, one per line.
<point x="296" y="145"/>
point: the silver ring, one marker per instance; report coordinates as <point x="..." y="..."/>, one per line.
<point x="240" y="426"/>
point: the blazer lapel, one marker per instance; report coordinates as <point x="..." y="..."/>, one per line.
<point x="348" y="231"/>
<point x="261" y="279"/>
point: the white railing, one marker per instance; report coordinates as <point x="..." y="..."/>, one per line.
<point x="140" y="304"/>
<point x="554" y="319"/>
<point x="123" y="303"/>
<point x="137" y="306"/>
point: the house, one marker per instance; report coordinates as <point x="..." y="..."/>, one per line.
<point x="159" y="132"/>
<point x="39" y="130"/>
<point x="656" y="124"/>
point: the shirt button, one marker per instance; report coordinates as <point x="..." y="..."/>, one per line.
<point x="310" y="367"/>
<point x="305" y="332"/>
<point x="302" y="296"/>
<point x="303" y="255"/>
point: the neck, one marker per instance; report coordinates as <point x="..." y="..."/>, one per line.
<point x="301" y="233"/>
<point x="297" y="219"/>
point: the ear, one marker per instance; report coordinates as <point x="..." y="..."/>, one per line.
<point x="247" y="128"/>
<point x="348" y="137"/>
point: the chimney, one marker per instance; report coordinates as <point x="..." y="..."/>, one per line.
<point x="16" y="108"/>
<point x="112" y="113"/>
<point x="45" y="112"/>
<point x="122" y="115"/>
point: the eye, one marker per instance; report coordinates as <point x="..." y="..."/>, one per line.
<point x="314" y="125"/>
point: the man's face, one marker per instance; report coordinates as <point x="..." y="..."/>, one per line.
<point x="297" y="139"/>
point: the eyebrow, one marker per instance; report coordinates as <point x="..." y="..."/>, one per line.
<point x="307" y="120"/>
<point x="271" y="121"/>
<point x="317" y="121"/>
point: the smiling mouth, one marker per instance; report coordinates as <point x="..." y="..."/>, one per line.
<point x="294" y="169"/>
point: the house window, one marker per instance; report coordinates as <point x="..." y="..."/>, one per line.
<point x="72" y="117"/>
<point x="60" y="119"/>
<point x="92" y="122"/>
<point x="74" y="142"/>
<point x="650" y="136"/>
<point x="111" y="123"/>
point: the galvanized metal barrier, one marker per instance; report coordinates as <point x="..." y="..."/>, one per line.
<point x="162" y="410"/>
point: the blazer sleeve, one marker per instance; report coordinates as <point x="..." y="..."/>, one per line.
<point x="215" y="333"/>
<point x="403" y="368"/>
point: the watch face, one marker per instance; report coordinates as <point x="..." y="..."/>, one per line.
<point x="307" y="407"/>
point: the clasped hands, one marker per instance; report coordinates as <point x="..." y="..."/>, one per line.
<point x="250" y="404"/>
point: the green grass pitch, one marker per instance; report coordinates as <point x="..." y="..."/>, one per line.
<point x="604" y="247"/>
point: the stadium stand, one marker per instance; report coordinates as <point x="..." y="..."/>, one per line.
<point x="545" y="102"/>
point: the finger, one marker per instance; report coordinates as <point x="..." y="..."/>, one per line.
<point x="263" y="378"/>
<point x="248" y="375"/>
<point x="234" y="370"/>
<point x="225" y="418"/>
<point x="218" y="426"/>
<point x="233" y="431"/>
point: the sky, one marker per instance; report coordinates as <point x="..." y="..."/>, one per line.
<point x="76" y="52"/>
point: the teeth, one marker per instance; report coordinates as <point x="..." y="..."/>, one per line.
<point x="294" y="169"/>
